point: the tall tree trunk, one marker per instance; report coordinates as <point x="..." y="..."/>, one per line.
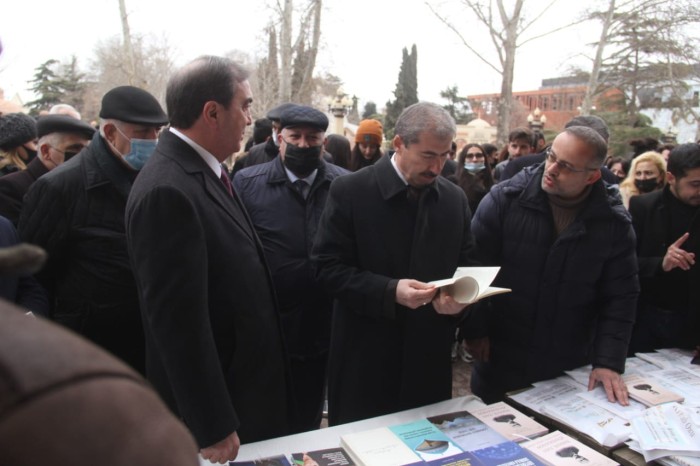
<point x="505" y="104"/>
<point x="306" y="84"/>
<point x="128" y="47"/>
<point x="594" y="78"/>
<point x="285" y="79"/>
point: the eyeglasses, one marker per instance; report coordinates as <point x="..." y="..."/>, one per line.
<point x="563" y="165"/>
<point x="480" y="155"/>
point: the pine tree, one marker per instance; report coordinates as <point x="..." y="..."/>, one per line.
<point x="47" y="86"/>
<point x="406" y="92"/>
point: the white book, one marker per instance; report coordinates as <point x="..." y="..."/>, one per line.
<point x="470" y="284"/>
<point x="599" y="397"/>
<point x="667" y="429"/>
<point x="378" y="447"/>
<point x="685" y="383"/>
<point x="558" y="449"/>
<point x="509" y="422"/>
<point x="648" y="391"/>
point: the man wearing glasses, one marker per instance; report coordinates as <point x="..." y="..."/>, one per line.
<point x="566" y="248"/>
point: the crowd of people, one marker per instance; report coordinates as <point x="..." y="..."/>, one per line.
<point x="249" y="293"/>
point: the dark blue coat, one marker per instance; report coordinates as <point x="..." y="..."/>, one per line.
<point x="574" y="296"/>
<point x="287" y="225"/>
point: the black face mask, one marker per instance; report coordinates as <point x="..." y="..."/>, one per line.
<point x="302" y="160"/>
<point x="69" y="154"/>
<point x="31" y="154"/>
<point x="620" y="179"/>
<point x="646" y="186"/>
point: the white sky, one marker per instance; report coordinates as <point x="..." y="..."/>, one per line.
<point x="362" y="40"/>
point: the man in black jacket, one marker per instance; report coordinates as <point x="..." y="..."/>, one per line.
<point x="76" y="213"/>
<point x="667" y="224"/>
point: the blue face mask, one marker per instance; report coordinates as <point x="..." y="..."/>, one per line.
<point x="474" y="167"/>
<point x="141" y="151"/>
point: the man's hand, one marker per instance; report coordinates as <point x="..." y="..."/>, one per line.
<point x="445" y="304"/>
<point x="414" y="294"/>
<point x="614" y="386"/>
<point x="224" y="451"/>
<point x="479" y="348"/>
<point x="677" y="257"/>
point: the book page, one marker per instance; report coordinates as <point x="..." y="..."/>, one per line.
<point x="600" y="398"/>
<point x="469" y="284"/>
<point x="667" y="427"/>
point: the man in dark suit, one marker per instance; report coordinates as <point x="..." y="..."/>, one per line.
<point x="60" y="138"/>
<point x="215" y="351"/>
<point x="667" y="225"/>
<point x="385" y="232"/>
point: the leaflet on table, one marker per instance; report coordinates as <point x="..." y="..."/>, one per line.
<point x="678" y="460"/>
<point x="429" y="442"/>
<point x="667" y="359"/>
<point x="601" y="425"/>
<point x="470" y="284"/>
<point x="487" y="447"/>
<point x="558" y="449"/>
<point x="649" y="391"/>
<point x="580" y="374"/>
<point x="600" y="398"/>
<point x="279" y="460"/>
<point x="667" y="429"/>
<point x="509" y="422"/>
<point x="685" y="383"/>
<point x="326" y="457"/>
<point x="545" y="391"/>
<point x="378" y="447"/>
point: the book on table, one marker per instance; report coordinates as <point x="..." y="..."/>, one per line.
<point x="648" y="392"/>
<point x="509" y="422"/>
<point x="279" y="460"/>
<point x="558" y="449"/>
<point x="471" y="284"/>
<point x="325" y="457"/>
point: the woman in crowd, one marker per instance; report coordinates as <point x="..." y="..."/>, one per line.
<point x="368" y="143"/>
<point x="619" y="166"/>
<point x="17" y="142"/>
<point x="647" y="173"/>
<point x="473" y="174"/>
<point x="339" y="147"/>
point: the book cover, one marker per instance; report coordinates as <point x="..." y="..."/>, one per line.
<point x="429" y="443"/>
<point x="326" y="457"/>
<point x="279" y="460"/>
<point x="648" y="391"/>
<point x="487" y="446"/>
<point x="558" y="449"/>
<point x="378" y="447"/>
<point x="470" y="284"/>
<point x="509" y="422"/>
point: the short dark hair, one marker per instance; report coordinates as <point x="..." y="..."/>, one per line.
<point x="591" y="138"/>
<point x="591" y="121"/>
<point x="424" y="117"/>
<point x="521" y="133"/>
<point x="682" y="158"/>
<point x="205" y="79"/>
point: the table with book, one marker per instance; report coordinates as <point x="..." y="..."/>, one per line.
<point x="555" y="422"/>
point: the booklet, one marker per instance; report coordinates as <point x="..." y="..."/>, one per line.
<point x="509" y="422"/>
<point x="558" y="449"/>
<point x="470" y="284"/>
<point x="327" y="457"/>
<point x="647" y="391"/>
<point x="378" y="447"/>
<point x="279" y="460"/>
<point x="666" y="430"/>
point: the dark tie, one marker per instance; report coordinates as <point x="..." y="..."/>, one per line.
<point x="302" y="186"/>
<point x="413" y="193"/>
<point x="227" y="182"/>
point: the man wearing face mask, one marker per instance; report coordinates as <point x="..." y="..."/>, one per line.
<point x="60" y="138"/>
<point x="76" y="213"/>
<point x="285" y="198"/>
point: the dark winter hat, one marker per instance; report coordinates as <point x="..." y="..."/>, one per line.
<point x="276" y="112"/>
<point x="132" y="105"/>
<point x="16" y="129"/>
<point x="301" y="115"/>
<point x="63" y="124"/>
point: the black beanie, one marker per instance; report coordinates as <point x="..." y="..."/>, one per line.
<point x="16" y="129"/>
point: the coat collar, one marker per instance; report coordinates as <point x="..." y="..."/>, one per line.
<point x="389" y="182"/>
<point x="102" y="167"/>
<point x="278" y="175"/>
<point x="36" y="168"/>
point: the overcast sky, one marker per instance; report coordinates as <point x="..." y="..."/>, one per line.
<point x="361" y="40"/>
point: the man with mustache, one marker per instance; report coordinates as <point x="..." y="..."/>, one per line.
<point x="565" y="246"/>
<point x="667" y="224"/>
<point x="385" y="232"/>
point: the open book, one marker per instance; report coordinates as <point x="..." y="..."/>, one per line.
<point x="470" y="284"/>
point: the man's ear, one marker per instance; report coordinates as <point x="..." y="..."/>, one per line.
<point x="670" y="178"/>
<point x="397" y="142"/>
<point x="210" y="112"/>
<point x="44" y="151"/>
<point x="594" y="176"/>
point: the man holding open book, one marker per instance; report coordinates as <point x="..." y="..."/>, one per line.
<point x="385" y="232"/>
<point x="566" y="248"/>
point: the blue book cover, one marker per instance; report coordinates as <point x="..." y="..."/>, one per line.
<point x="430" y="444"/>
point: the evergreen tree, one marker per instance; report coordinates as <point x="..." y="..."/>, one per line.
<point x="47" y="86"/>
<point x="406" y="92"/>
<point x="457" y="106"/>
<point x="369" y="111"/>
<point x="72" y="84"/>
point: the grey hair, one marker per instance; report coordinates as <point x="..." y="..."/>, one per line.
<point x="592" y="139"/>
<point x="422" y="117"/>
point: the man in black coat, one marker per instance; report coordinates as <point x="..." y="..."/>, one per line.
<point x="215" y="349"/>
<point x="76" y="213"/>
<point x="667" y="224"/>
<point x="385" y="232"/>
<point x="60" y="138"/>
<point x="285" y="198"/>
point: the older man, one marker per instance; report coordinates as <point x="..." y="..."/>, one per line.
<point x="285" y="198"/>
<point x="215" y="348"/>
<point x="566" y="248"/>
<point x="385" y="232"/>
<point x="76" y="213"/>
<point x="60" y="138"/>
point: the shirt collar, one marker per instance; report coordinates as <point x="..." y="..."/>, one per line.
<point x="309" y="179"/>
<point x="208" y="158"/>
<point x="398" y="172"/>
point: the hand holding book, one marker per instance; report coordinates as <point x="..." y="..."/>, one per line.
<point x="470" y="284"/>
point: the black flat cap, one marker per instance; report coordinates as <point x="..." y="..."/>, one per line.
<point x="63" y="124"/>
<point x="132" y="105"/>
<point x="301" y="115"/>
<point x="276" y="112"/>
<point x="16" y="129"/>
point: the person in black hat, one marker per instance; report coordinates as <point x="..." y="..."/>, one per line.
<point x="285" y="198"/>
<point x="264" y="152"/>
<point x="17" y="142"/>
<point x="76" y="213"/>
<point x="60" y="138"/>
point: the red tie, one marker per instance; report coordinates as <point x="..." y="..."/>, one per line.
<point x="227" y="182"/>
